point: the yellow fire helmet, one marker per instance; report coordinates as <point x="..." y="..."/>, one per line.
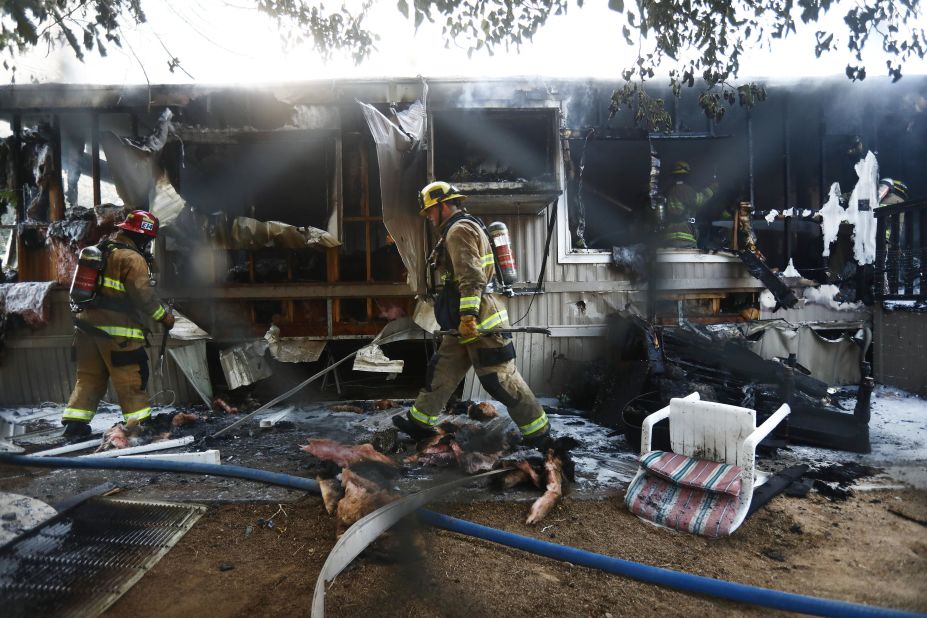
<point x="681" y="167"/>
<point x="436" y="193"/>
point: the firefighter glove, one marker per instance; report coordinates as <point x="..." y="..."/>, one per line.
<point x="168" y="321"/>
<point x="467" y="328"/>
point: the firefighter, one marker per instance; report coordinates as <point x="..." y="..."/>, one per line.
<point x="682" y="203"/>
<point x="110" y="336"/>
<point x="468" y="302"/>
<point x="892" y="192"/>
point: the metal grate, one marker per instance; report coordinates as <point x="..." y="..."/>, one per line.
<point x="81" y="561"/>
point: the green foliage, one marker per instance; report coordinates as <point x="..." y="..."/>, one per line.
<point x="649" y="113"/>
<point x="81" y="25"/>
<point x="342" y="29"/>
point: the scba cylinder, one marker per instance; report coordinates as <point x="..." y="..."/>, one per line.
<point x="84" y="284"/>
<point x="499" y="235"/>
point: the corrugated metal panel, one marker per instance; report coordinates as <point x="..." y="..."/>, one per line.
<point x="38" y="365"/>
<point x="36" y="374"/>
<point x="535" y="362"/>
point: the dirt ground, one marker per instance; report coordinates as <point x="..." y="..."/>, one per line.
<point x="869" y="549"/>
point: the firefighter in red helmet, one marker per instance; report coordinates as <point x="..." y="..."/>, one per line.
<point x="469" y="302"/>
<point x="110" y="331"/>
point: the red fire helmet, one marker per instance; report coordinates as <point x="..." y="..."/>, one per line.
<point x="141" y="222"/>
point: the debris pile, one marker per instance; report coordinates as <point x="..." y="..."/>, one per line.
<point x="356" y="479"/>
<point x="160" y="428"/>
<point x="655" y="365"/>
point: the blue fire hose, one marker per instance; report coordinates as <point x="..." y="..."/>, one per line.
<point x="686" y="582"/>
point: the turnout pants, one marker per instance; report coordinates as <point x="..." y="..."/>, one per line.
<point x="493" y="359"/>
<point x="98" y="360"/>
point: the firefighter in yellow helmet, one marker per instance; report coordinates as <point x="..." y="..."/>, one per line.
<point x="682" y="204"/>
<point x="110" y="335"/>
<point x="892" y="192"/>
<point x="469" y="303"/>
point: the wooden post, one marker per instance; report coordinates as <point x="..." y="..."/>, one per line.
<point x="331" y="275"/>
<point x="95" y="157"/>
<point x="56" y="203"/>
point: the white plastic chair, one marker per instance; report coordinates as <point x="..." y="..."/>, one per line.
<point x="715" y="432"/>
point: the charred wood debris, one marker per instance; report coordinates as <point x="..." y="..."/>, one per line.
<point x="650" y="365"/>
<point x="357" y="479"/>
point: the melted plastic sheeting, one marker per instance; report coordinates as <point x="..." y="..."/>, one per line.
<point x="137" y="173"/>
<point x="834" y="361"/>
<point x="398" y="152"/>
<point x="27" y="300"/>
<point x="252" y="234"/>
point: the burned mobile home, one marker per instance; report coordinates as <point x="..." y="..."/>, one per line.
<point x="291" y="230"/>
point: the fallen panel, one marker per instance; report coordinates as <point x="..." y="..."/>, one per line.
<point x="244" y="364"/>
<point x="81" y="561"/>
<point x="191" y="360"/>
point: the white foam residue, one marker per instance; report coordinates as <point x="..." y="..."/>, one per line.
<point x="790" y="270"/>
<point x="772" y="216"/>
<point x="832" y="215"/>
<point x="767" y="300"/>
<point x="897" y="432"/>
<point x="824" y="295"/>
<point x="865" y="194"/>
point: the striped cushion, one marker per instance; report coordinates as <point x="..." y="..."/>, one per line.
<point x="695" y="473"/>
<point x="697" y="511"/>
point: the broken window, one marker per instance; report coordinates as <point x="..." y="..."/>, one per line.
<point x="608" y="194"/>
<point x="263" y="176"/>
<point x="504" y="160"/>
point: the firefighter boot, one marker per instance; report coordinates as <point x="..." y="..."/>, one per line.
<point x="416" y="431"/>
<point x="75" y="430"/>
<point x="541" y="441"/>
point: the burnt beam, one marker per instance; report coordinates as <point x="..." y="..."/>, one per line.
<point x="292" y="291"/>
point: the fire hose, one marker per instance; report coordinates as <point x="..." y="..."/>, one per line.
<point x="686" y="582"/>
<point x="501" y="331"/>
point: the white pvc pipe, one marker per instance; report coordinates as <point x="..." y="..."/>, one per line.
<point x="145" y="448"/>
<point x="67" y="448"/>
<point x="208" y="457"/>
